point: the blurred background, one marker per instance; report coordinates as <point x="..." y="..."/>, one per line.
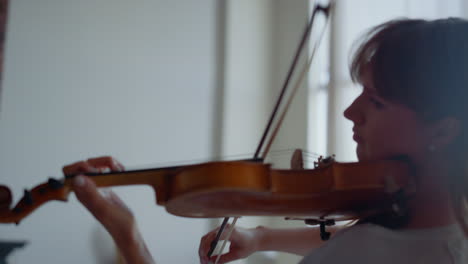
<point x="156" y="83"/>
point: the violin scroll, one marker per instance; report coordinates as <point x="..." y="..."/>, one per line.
<point x="53" y="189"/>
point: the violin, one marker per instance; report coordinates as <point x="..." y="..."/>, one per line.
<point x="332" y="190"/>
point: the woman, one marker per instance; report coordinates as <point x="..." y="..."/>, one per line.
<point x="414" y="75"/>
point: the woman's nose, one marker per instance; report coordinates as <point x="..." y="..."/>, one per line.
<point x="347" y="112"/>
<point x="353" y="113"/>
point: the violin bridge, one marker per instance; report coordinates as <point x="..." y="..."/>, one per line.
<point x="297" y="161"/>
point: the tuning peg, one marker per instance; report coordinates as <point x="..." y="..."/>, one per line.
<point x="28" y="199"/>
<point x="54" y="184"/>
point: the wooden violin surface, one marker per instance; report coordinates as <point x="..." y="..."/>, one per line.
<point x="243" y="188"/>
<point x="341" y="191"/>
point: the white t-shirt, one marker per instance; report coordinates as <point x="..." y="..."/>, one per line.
<point x="369" y="243"/>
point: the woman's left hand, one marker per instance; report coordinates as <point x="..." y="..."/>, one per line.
<point x="108" y="208"/>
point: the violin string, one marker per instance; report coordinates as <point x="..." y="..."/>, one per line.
<point x="309" y="156"/>
<point x="238" y="156"/>
<point x="289" y="153"/>
<point x="192" y="161"/>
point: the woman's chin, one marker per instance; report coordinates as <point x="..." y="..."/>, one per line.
<point x="360" y="153"/>
<point x="363" y="155"/>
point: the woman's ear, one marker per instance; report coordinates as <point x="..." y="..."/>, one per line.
<point x="444" y="132"/>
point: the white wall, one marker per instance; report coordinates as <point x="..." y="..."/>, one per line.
<point x="248" y="74"/>
<point x="133" y="79"/>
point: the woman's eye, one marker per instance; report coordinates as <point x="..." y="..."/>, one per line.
<point x="376" y="103"/>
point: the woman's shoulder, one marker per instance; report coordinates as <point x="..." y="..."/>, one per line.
<point x="369" y="243"/>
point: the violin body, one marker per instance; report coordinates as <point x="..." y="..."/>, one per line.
<point x="340" y="191"/>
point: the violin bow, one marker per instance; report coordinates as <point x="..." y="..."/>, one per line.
<point x="305" y="36"/>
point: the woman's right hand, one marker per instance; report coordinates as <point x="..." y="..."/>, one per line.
<point x="243" y="241"/>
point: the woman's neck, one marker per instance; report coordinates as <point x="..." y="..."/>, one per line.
<point x="431" y="203"/>
<point x="430" y="210"/>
